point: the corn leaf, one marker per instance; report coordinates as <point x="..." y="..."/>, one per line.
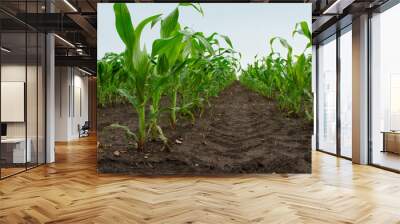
<point x="124" y="26"/>
<point x="142" y="24"/>
<point x="170" y="24"/>
<point x="227" y="40"/>
<point x="197" y="6"/>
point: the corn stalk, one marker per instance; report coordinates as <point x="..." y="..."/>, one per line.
<point x="138" y="65"/>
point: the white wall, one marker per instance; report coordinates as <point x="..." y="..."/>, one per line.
<point x="70" y="83"/>
<point x="79" y="117"/>
<point x="62" y="82"/>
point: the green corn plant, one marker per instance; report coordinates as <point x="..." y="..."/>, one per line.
<point x="190" y="98"/>
<point x="173" y="53"/>
<point x="186" y="66"/>
<point x="286" y="79"/>
<point x="137" y="65"/>
<point x="211" y="69"/>
<point x="158" y="85"/>
<point x="103" y="82"/>
<point x="167" y="50"/>
<point x="111" y="75"/>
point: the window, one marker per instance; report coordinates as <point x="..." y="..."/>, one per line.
<point x="327" y="96"/>
<point x="346" y="93"/>
<point x="22" y="77"/>
<point x="385" y="89"/>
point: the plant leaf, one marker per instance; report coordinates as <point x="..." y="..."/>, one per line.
<point x="197" y="6"/>
<point x="170" y="24"/>
<point x="227" y="40"/>
<point x="199" y="36"/>
<point x="124" y="26"/>
<point x="128" y="133"/>
<point x="142" y="24"/>
<point x="129" y="97"/>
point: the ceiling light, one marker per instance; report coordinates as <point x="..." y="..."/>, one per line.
<point x="84" y="71"/>
<point x="70" y="5"/>
<point x="5" y="50"/>
<point x="80" y="51"/>
<point x="64" y="40"/>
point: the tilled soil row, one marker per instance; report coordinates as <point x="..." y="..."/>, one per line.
<point x="241" y="132"/>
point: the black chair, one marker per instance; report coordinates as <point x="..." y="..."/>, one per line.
<point x="84" y="130"/>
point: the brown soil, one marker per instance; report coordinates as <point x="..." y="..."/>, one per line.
<point x="241" y="132"/>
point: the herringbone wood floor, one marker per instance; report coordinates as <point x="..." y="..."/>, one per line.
<point x="70" y="191"/>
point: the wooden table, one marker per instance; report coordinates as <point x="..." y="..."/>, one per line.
<point x="391" y="141"/>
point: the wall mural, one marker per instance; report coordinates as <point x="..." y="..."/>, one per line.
<point x="186" y="104"/>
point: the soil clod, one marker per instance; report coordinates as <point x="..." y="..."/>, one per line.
<point x="116" y="153"/>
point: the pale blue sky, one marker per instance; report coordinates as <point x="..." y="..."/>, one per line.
<point x="249" y="25"/>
